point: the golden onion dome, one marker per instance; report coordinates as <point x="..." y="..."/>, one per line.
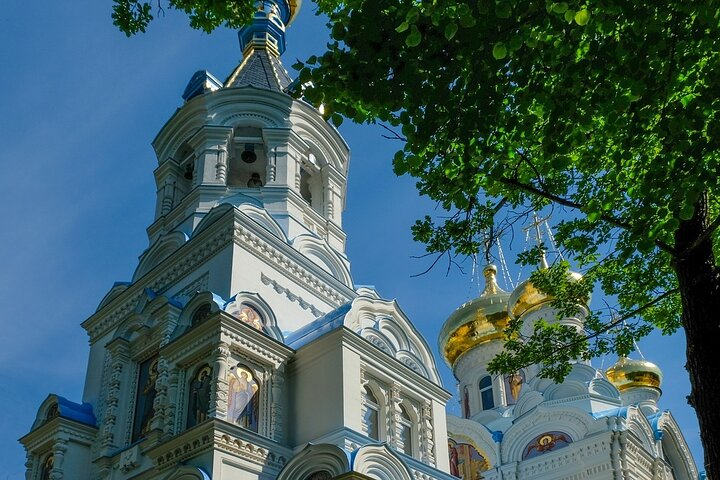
<point x="628" y="373"/>
<point x="526" y="297"/>
<point x="475" y="322"/>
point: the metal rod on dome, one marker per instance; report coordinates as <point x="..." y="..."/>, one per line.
<point x="551" y="237"/>
<point x="538" y="237"/>
<point x="503" y="266"/>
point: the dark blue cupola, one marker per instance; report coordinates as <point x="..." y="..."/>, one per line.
<point x="267" y="30"/>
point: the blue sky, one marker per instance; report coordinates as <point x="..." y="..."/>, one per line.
<point x="80" y="105"/>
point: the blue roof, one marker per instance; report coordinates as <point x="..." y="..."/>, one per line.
<point x="613" y="412"/>
<point x="80" y="412"/>
<point x="318" y="328"/>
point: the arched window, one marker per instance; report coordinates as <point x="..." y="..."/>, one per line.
<point x="406" y="429"/>
<point x="371" y="418"/>
<point x="244" y="402"/>
<point x="200" y="314"/>
<point x="47" y="467"/>
<point x="247" y="162"/>
<point x="185" y="157"/>
<point x="487" y="400"/>
<point x="199" y="398"/>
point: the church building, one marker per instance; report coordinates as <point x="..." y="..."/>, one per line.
<point x="241" y="349"/>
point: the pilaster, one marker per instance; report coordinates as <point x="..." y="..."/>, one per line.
<point x="211" y="145"/>
<point x="219" y="390"/>
<point x="119" y="350"/>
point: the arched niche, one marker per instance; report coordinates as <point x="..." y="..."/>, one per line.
<point x="251" y="309"/>
<point x="466" y="460"/>
<point x="380" y="462"/>
<point x="198" y="399"/>
<point x="675" y="449"/>
<point x="572" y="421"/>
<point x="185" y="158"/>
<point x="316" y="458"/>
<point x="247" y="158"/>
<point x="198" y="309"/>
<point x="546" y="442"/>
<point x="244" y="396"/>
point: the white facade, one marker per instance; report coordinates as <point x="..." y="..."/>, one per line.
<point x="241" y="349"/>
<point x="522" y="426"/>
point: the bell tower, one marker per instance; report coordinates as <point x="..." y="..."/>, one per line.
<point x="246" y="140"/>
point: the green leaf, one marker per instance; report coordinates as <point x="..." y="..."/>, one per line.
<point x="337" y="119"/>
<point x="467" y="21"/>
<point x="687" y="99"/>
<point x="582" y="17"/>
<point x="450" y="30"/>
<point x="414" y="37"/>
<point x="402" y="27"/>
<point x="560" y="8"/>
<point x="499" y="51"/>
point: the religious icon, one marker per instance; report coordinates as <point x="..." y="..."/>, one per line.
<point x="249" y="316"/>
<point x="453" y="459"/>
<point x="513" y="386"/>
<point x="243" y="400"/>
<point x="199" y="402"/>
<point x="466" y="461"/>
<point x="254" y="181"/>
<point x="47" y="467"/>
<point x="145" y="399"/>
<point x="546" y="442"/>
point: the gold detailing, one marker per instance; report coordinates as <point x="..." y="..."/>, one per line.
<point x="526" y="297"/>
<point x="628" y="373"/>
<point x="294" y="8"/>
<point x="476" y="322"/>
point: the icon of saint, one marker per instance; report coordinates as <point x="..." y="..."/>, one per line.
<point x="255" y="181"/>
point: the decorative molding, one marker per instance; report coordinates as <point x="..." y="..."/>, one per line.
<point x="289" y="266"/>
<point x="188" y="449"/>
<point x="291" y="296"/>
<point x="200" y="284"/>
<point x="97" y="326"/>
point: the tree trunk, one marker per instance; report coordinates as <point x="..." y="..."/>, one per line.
<point x="699" y="282"/>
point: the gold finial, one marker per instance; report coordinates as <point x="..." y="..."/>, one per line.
<point x="491" y="286"/>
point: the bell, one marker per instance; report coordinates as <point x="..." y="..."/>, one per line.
<point x="249" y="156"/>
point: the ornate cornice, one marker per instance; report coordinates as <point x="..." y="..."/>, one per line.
<point x="291" y="296"/>
<point x="59" y="429"/>
<point x="159" y="279"/>
<point x="292" y="263"/>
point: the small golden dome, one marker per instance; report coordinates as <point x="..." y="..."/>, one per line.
<point x="628" y="373"/>
<point x="526" y="297"/>
<point x="478" y="321"/>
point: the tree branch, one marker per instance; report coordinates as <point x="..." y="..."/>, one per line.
<point x="569" y="203"/>
<point x="614" y="323"/>
<point x="698" y="241"/>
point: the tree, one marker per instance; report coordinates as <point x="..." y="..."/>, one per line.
<point x="608" y="110"/>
